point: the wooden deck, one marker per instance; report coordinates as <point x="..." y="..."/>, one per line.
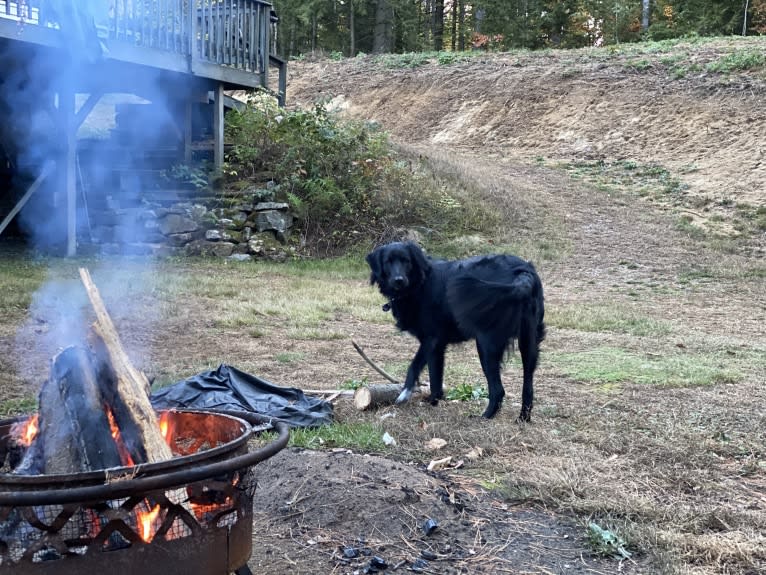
<point x="178" y="55"/>
<point x="225" y="41"/>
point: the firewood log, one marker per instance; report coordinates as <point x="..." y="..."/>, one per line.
<point x="138" y="418"/>
<point x="376" y="395"/>
<point x="73" y="431"/>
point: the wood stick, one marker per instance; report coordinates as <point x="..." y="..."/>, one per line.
<point x="373" y="365"/>
<point x="130" y="384"/>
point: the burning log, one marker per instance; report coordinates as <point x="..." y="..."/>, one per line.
<point x="94" y="410"/>
<point x="73" y="432"/>
<point x="138" y="420"/>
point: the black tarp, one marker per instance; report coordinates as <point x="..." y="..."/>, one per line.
<point x="229" y="389"/>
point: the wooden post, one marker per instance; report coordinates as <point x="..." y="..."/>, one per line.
<point x="66" y="167"/>
<point x="218" y="128"/>
<point x="188" y="108"/>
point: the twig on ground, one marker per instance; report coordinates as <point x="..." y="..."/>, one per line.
<point x="374" y="366"/>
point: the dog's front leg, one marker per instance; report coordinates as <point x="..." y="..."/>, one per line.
<point x="413" y="373"/>
<point x="436" y="372"/>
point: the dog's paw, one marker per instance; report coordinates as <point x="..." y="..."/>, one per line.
<point x="525" y="416"/>
<point x="433" y="400"/>
<point x="404" y="396"/>
<point x="491" y="411"/>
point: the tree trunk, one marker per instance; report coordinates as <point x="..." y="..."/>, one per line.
<point x="352" y="35"/>
<point x="645" y="15"/>
<point x="314" y="32"/>
<point x="438" y="25"/>
<point x="453" y="31"/>
<point x="381" y="38"/>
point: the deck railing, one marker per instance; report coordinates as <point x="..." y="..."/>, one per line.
<point x="231" y="33"/>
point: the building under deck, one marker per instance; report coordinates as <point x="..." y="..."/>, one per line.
<point x="61" y="59"/>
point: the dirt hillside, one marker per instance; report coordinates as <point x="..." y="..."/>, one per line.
<point x="658" y="105"/>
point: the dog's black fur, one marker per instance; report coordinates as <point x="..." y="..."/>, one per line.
<point x="496" y="300"/>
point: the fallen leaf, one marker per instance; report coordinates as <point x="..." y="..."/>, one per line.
<point x="435" y="443"/>
<point x="475" y="453"/>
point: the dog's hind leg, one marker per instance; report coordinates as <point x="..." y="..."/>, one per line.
<point x="413" y="372"/>
<point x="491" y="356"/>
<point x="436" y="372"/>
<point x="529" y="350"/>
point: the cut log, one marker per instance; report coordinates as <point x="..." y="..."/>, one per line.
<point x="136" y="418"/>
<point x="73" y="430"/>
<point x="371" y="396"/>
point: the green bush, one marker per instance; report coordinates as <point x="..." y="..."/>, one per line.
<point x="342" y="179"/>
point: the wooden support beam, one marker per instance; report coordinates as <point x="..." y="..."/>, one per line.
<point x="67" y="165"/>
<point x="86" y="109"/>
<point x="187" y="120"/>
<point x="44" y="173"/>
<point x="218" y="109"/>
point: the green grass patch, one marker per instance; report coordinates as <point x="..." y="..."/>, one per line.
<point x="738" y="60"/>
<point x="466" y="392"/>
<point x="302" y="295"/>
<point x="651" y="180"/>
<point x="314" y="334"/>
<point x="19" y="279"/>
<point x="18" y="406"/>
<point x="641" y="64"/>
<point x="607" y="365"/>
<point x="289" y="357"/>
<point x="357" y="436"/>
<point x="605" y="318"/>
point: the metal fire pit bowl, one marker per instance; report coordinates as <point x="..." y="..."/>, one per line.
<point x="192" y="514"/>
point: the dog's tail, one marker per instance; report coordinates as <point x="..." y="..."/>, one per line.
<point x="481" y="304"/>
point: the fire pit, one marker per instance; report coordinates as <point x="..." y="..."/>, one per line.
<point x="186" y="515"/>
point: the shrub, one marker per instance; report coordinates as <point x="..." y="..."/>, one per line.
<point x="342" y="179"/>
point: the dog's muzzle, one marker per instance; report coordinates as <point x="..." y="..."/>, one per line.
<point x="399" y="283"/>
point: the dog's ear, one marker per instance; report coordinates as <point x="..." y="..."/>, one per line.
<point x="420" y="262"/>
<point x="375" y="260"/>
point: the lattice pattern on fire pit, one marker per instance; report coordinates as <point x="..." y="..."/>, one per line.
<point x="49" y="532"/>
<point x="186" y="511"/>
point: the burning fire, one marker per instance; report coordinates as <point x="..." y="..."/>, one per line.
<point x="24" y="432"/>
<point x="165" y="425"/>
<point x="146" y="521"/>
<point x="125" y="457"/>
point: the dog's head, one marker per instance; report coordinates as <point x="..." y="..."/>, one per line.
<point x="398" y="267"/>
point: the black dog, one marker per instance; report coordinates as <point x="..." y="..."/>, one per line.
<point x="493" y="299"/>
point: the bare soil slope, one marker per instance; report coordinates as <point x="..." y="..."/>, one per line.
<point x="656" y="105"/>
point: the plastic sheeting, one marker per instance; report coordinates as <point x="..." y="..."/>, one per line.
<point x="229" y="389"/>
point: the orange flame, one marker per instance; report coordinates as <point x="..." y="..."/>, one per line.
<point x="202" y="509"/>
<point x="165" y="426"/>
<point x="24" y="432"/>
<point x="146" y="521"/>
<point x="125" y="457"/>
